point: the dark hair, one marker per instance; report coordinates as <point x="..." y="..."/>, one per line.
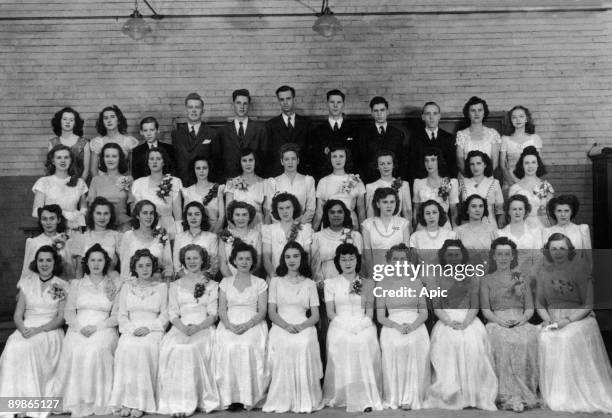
<point x="347" y="249"/>
<point x="167" y="167"/>
<point x="488" y="171"/>
<point x="143" y="252"/>
<point x="72" y="168"/>
<point x="430" y="104"/>
<point x="204" y="223"/>
<point x="517" y="198"/>
<point x="564" y="199"/>
<point x="194" y="96"/>
<point x="436" y="152"/>
<point x="385" y="153"/>
<point x="529" y="126"/>
<point x="195" y="247"/>
<point x="57" y="210"/>
<point x="122" y="167"/>
<point x="211" y="169"/>
<point x="286" y="197"/>
<point x="121" y="120"/>
<point x="557" y="236"/>
<point x="149" y="119"/>
<point x="100" y="201"/>
<point x="56" y="122"/>
<point x="502" y="241"/>
<point x="136" y="211"/>
<point x="348" y="221"/>
<point x="378" y="100"/>
<point x="453" y="243"/>
<point x="239" y="247"/>
<point x="241" y="92"/>
<point x="399" y="247"/>
<point x="237" y="204"/>
<point x="421" y="214"/>
<point x="58" y="267"/>
<point x="474" y="100"/>
<point x="335" y="92"/>
<point x="304" y="268"/>
<point x="348" y="164"/>
<point x="285" y="88"/>
<point x="381" y="193"/>
<point x="466" y="205"/>
<point x="248" y="151"/>
<point x="96" y="248"/>
<point x="519" y="170"/>
<point x="289" y="147"/>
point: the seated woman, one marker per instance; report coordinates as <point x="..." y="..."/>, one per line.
<point x="68" y="129"/>
<point x="429" y="239"/>
<point x="386" y="164"/>
<point x="507" y="304"/>
<point x="248" y="187"/>
<point x="436" y="186"/>
<point x="61" y="186"/>
<point x="563" y="211"/>
<point x="575" y="372"/>
<point x="32" y="352"/>
<point x="113" y="183"/>
<point x="353" y="375"/>
<point x="206" y="191"/>
<point x="84" y="377"/>
<point x="460" y="350"/>
<point x="240" y="341"/>
<point x="240" y="218"/>
<point x="479" y="180"/>
<point x="476" y="234"/>
<point x="142" y="317"/>
<point x="341" y="186"/>
<point x="293" y="355"/>
<point x="162" y="189"/>
<point x="529" y="170"/>
<point x="185" y="382"/>
<point x="404" y="340"/>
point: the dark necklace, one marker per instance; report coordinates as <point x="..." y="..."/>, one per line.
<point x="44" y="281"/>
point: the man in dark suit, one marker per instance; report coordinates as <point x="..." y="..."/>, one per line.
<point x="336" y="130"/>
<point x="427" y="137"/>
<point x="286" y="127"/>
<point x="193" y="139"/>
<point x="149" y="130"/>
<point x="240" y="134"/>
<point x="377" y="136"/>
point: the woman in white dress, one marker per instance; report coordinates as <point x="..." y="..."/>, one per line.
<point x="185" y="381"/>
<point x="460" y="351"/>
<point x="385" y="229"/>
<point x="240" y="217"/>
<point x="68" y="129"/>
<point x="162" y="189"/>
<point x="521" y="134"/>
<point x="196" y="228"/>
<point x="477" y="136"/>
<point x="145" y="235"/>
<point x="207" y="192"/>
<point x="293" y="356"/>
<point x="575" y="372"/>
<point x="32" y="352"/>
<point x="240" y="342"/>
<point x="404" y="340"/>
<point x="386" y="162"/>
<point x="563" y="210"/>
<point x="142" y="317"/>
<point x="61" y="186"/>
<point x="476" y="234"/>
<point x="429" y="239"/>
<point x="84" y="377"/>
<point x="287" y="211"/>
<point x="341" y="186"/>
<point x="529" y="170"/>
<point x="478" y="179"/>
<point x="112" y="126"/>
<point x="436" y="186"/>
<point x="248" y="187"/>
<point x="353" y="377"/>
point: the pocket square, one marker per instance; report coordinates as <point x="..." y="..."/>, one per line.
<point x="207" y="141"/>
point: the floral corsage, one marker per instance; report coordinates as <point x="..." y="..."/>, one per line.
<point x="445" y="188"/>
<point x="346" y="237"/>
<point x="59" y="241"/>
<point x="356" y="286"/>
<point x="212" y="193"/>
<point x="165" y="187"/>
<point x="396" y="184"/>
<point x="110" y="290"/>
<point x="543" y="190"/>
<point x="562" y="287"/>
<point x="349" y="184"/>
<point x="294" y="231"/>
<point x="123" y="183"/>
<point x="239" y="183"/>
<point x="57" y="292"/>
<point x="161" y="234"/>
<point x="518" y="284"/>
<point x="199" y="290"/>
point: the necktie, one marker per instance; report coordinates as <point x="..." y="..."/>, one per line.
<point x="241" y="130"/>
<point x="382" y="130"/>
<point x="192" y="133"/>
<point x="433" y="136"/>
<point x="336" y="127"/>
<point x="289" y="124"/>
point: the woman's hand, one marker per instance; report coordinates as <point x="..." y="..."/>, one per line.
<point x="562" y="323"/>
<point x="88" y="331"/>
<point x="141" y="331"/>
<point x="506" y="323"/>
<point x="29" y="332"/>
<point x="407" y="328"/>
<point x="293" y="329"/>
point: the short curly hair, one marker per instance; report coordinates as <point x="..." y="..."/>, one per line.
<point x="239" y="247"/>
<point x="121" y="120"/>
<point x="496" y="243"/>
<point x="442" y="218"/>
<point x="57" y="210"/>
<point x="236" y="204"/>
<point x="142" y="253"/>
<point x="519" y="170"/>
<point x="195" y="247"/>
<point x="96" y="248"/>
<point x="58" y="266"/>
<point x="380" y="194"/>
<point x="100" y="201"/>
<point x="466" y="205"/>
<point x="138" y="207"/>
<point x="347" y="249"/>
<point x="517" y="198"/>
<point x="56" y="122"/>
<point x="564" y="199"/>
<point x="474" y="100"/>
<point x="347" y="222"/>
<point x="286" y="197"/>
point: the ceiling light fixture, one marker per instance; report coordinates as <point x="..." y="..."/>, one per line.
<point x="327" y="24"/>
<point x="136" y="27"/>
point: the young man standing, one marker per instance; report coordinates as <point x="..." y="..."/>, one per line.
<point x="149" y="130"/>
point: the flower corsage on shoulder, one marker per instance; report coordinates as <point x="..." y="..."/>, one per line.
<point x="350" y="183"/>
<point x="59" y="241"/>
<point x="519" y="286"/>
<point x="543" y="190"/>
<point x="296" y="227"/>
<point x="200" y="289"/>
<point x="356" y="286"/>
<point x="161" y="234"/>
<point x="124" y="183"/>
<point x="238" y="183"/>
<point x="57" y="292"/>
<point x="396" y="184"/>
<point x="165" y="187"/>
<point x="445" y="188"/>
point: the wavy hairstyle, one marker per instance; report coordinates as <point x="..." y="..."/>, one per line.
<point x="96" y="248"/>
<point x="496" y="243"/>
<point x="529" y="125"/>
<point x="204" y="223"/>
<point x="488" y="171"/>
<point x="564" y="199"/>
<point x="517" y="198"/>
<point x="466" y="206"/>
<point x="58" y="267"/>
<point x="56" y="122"/>
<point x="89" y="216"/>
<point x="72" y="168"/>
<point x="474" y="100"/>
<point x="303" y="269"/>
<point x="57" y="210"/>
<point x="286" y="197"/>
<point x="122" y="167"/>
<point x="142" y="253"/>
<point x="557" y="236"/>
<point x="519" y="170"/>
<point x="121" y="120"/>
<point x="347" y="249"/>
<point x="453" y="243"/>
<point x="236" y="204"/>
<point x="442" y="218"/>
<point x="195" y="247"/>
<point x="380" y="194"/>
<point x="347" y="223"/>
<point x="240" y="247"/>
<point x="138" y="208"/>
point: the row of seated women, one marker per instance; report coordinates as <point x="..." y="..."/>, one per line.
<point x="510" y="363"/>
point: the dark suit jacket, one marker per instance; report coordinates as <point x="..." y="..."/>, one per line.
<point x="279" y="134"/>
<point x="139" y="158"/>
<point x="419" y="142"/>
<point x="186" y="149"/>
<point x="255" y="137"/>
<point x="371" y="141"/>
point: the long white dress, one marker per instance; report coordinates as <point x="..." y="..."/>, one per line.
<point x="137" y="358"/>
<point x="331" y="187"/>
<point x="185" y="380"/>
<point x="84" y="377"/>
<point x="33" y="244"/>
<point x="403" y="194"/>
<point x="143" y="189"/>
<point x="294" y="360"/>
<point x="353" y="377"/>
<point x="275" y="236"/>
<point x="57" y="191"/>
<point x="204" y="239"/>
<point x="323" y="250"/>
<point x="130" y="243"/>
<point x="240" y="360"/>
<point x="27" y="365"/>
